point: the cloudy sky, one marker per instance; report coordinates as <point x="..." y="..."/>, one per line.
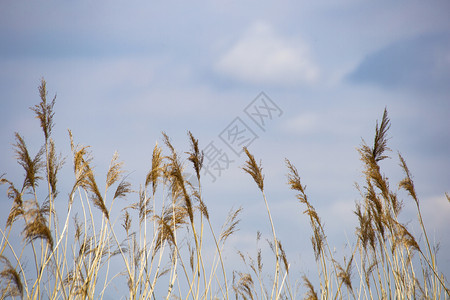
<point x="123" y="73"/>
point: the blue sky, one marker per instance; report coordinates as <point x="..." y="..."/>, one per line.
<point x="125" y="72"/>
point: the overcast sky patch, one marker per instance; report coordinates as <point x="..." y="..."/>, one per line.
<point x="418" y="63"/>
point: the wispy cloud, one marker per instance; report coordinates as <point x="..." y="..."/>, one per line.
<point x="261" y="56"/>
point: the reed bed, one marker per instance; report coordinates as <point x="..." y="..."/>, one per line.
<point x="158" y="242"/>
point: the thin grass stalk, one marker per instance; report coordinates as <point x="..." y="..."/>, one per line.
<point x="96" y="257"/>
<point x="176" y="253"/>
<point x="148" y="271"/>
<point x="201" y="238"/>
<point x="277" y="268"/>
<point x="288" y="285"/>
<point x="147" y="278"/>
<point x="39" y="265"/>
<point x="107" y="265"/>
<point x="189" y="281"/>
<point x="219" y="284"/>
<point x="55" y="250"/>
<point x="281" y="286"/>
<point x="173" y="275"/>
<point x="150" y="284"/>
<point x="218" y="252"/>
<point x="255" y="171"/>
<point x="389" y="269"/>
<point x="386" y="269"/>
<point x="144" y="264"/>
<point x="330" y="253"/>
<point x="43" y="267"/>
<point x="4" y="239"/>
<point x="198" y="259"/>
<point x="77" y="262"/>
<point x="144" y="260"/>
<point x="18" y="263"/>
<point x="379" y="288"/>
<point x="63" y="258"/>
<point x="155" y="277"/>
<point x="432" y="265"/>
<point x="176" y="249"/>
<point x="178" y="180"/>
<point x="45" y="114"/>
<point x="196" y="157"/>
<point x="408" y="185"/>
<point x="362" y="287"/>
<point x="200" y="264"/>
<point x="93" y="255"/>
<point x="120" y="248"/>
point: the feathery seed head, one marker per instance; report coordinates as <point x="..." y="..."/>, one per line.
<point x="252" y="168"/>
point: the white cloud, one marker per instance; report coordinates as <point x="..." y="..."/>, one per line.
<point x="260" y="56"/>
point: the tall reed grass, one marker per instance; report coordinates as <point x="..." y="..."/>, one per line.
<point x="159" y="241"/>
